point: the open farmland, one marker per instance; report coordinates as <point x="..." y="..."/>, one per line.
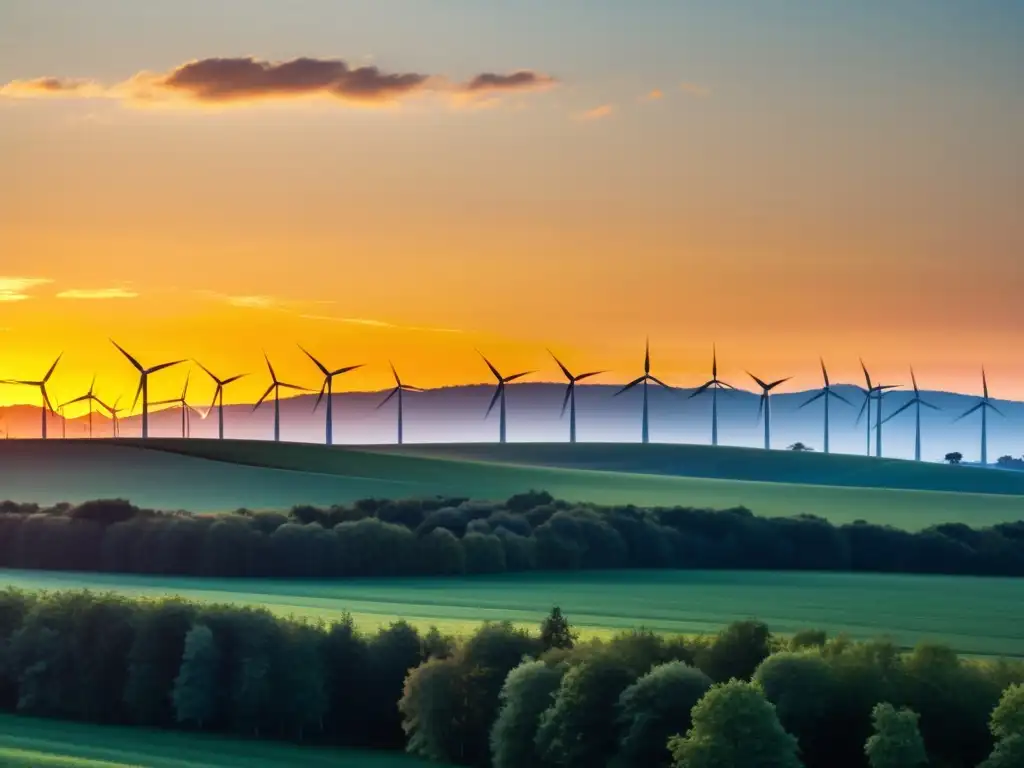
<point x="978" y="616"/>
<point x="212" y="476"/>
<point x="30" y="743"/>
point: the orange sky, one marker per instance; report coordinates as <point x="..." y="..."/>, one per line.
<point x="784" y="199"/>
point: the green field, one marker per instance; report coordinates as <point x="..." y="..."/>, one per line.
<point x="30" y="743"/>
<point x="979" y="616"/>
<point x="211" y="475"/>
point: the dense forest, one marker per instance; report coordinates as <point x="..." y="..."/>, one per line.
<point x="508" y="697"/>
<point x="529" y="531"/>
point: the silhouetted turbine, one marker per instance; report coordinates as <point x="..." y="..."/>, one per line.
<point x="327" y="387"/>
<point x="570" y="394"/>
<point x="714" y="385"/>
<point x="982" y="405"/>
<point x="218" y="396"/>
<point x="88" y="397"/>
<point x="398" y="390"/>
<point x="186" y="409"/>
<point x="826" y="392"/>
<point x="275" y="387"/>
<point x="143" y="384"/>
<point x="499" y="394"/>
<point x="915" y="400"/>
<point x="113" y="411"/>
<point x="876" y="392"/>
<point x="764" y="405"/>
<point x="47" y="406"/>
<point x="645" y="431"/>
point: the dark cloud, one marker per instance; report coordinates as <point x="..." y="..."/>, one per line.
<point x="523" y="80"/>
<point x="46" y="86"/>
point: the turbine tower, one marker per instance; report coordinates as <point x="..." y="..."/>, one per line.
<point x="327" y="388"/>
<point x="826" y="392"/>
<point x="982" y="405"/>
<point x="186" y="416"/>
<point x="218" y="396"/>
<point x="915" y="400"/>
<point x="398" y="390"/>
<point x="88" y="397"/>
<point x="499" y="394"/>
<point x="275" y="387"/>
<point x="41" y="384"/>
<point x="570" y="394"/>
<point x="873" y="392"/>
<point x="714" y="385"/>
<point x="647" y="377"/>
<point x="764" y="405"/>
<point x="143" y="389"/>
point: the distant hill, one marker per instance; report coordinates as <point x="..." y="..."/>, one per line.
<point x="456" y="415"/>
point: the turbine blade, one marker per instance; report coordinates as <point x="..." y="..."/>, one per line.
<point x="759" y="382"/>
<point x="867" y="376"/>
<point x="384" y="402"/>
<point x="264" y="397"/>
<point x="76" y="400"/>
<point x="565" y="400"/>
<point x="132" y="360"/>
<point x="656" y="380"/>
<point x="294" y="386"/>
<point x="629" y="386"/>
<point x="647" y="355"/>
<point x="208" y="372"/>
<point x="588" y="374"/>
<point x="968" y="412"/>
<point x="815" y="397"/>
<point x="346" y="369"/>
<point x="824" y="372"/>
<point x="929" y="405"/>
<point x="273" y="376"/>
<point x="411" y="388"/>
<point x="860" y="414"/>
<point x="46" y="398"/>
<point x="323" y="388"/>
<point x="760" y="407"/>
<point x="319" y="365"/>
<point x="913" y="379"/>
<point x="724" y="384"/>
<point x="160" y="367"/>
<point x="398" y="381"/>
<point x="497" y="393"/>
<point x="701" y="389"/>
<point x="233" y="378"/>
<point x="489" y="365"/>
<point x="836" y="395"/>
<point x="167" y="402"/>
<point x="49" y="373"/>
<point x="515" y="376"/>
<point x="714" y="361"/>
<point x="989" y="405"/>
<point x="898" y="411"/>
<point x="984" y="382"/>
<point x="216" y="392"/>
<point x="138" y="391"/>
<point x="565" y="370"/>
<point x="774" y="384"/>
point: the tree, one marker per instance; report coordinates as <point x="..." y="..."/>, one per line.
<point x="154" y="660"/>
<point x="1007" y="725"/>
<point x="434" y="712"/>
<point x="896" y="741"/>
<point x="556" y="632"/>
<point x="527" y="693"/>
<point x="736" y="651"/>
<point x="734" y="726"/>
<point x="195" y="693"/>
<point x="654" y="708"/>
<point x="799" y="447"/>
<point x="953" y="458"/>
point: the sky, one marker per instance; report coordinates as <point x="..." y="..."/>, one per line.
<point x="415" y="180"/>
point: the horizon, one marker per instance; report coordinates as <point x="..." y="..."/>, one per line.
<point x="376" y="182"/>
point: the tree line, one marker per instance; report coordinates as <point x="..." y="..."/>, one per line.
<point x="446" y="536"/>
<point x="507" y="697"/>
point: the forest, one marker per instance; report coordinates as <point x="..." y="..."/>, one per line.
<point x="509" y="697"/>
<point x="449" y="536"/>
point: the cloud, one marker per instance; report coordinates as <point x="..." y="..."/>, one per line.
<point x="377" y="323"/>
<point x="16" y="288"/>
<point x="244" y="80"/>
<point x="597" y="113"/>
<point x="97" y="293"/>
<point x="695" y="90"/>
<point x="653" y="95"/>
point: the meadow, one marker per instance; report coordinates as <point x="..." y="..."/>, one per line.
<point x="30" y="743"/>
<point x="975" y="616"/>
<point x="214" y="476"/>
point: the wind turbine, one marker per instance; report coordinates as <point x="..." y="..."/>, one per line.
<point x="915" y="400"/>
<point x="398" y="390"/>
<point x="499" y="394"/>
<point x="714" y="385"/>
<point x="88" y="397"/>
<point x="275" y="387"/>
<point x="218" y="396"/>
<point x="826" y="392"/>
<point x="186" y="416"/>
<point x="47" y="406"/>
<point x="570" y="394"/>
<point x="326" y="387"/>
<point x="144" y="374"/>
<point x="981" y="406"/>
<point x="765" y="405"/>
<point x="645" y="432"/>
<point x="873" y="391"/>
<point x="113" y="410"/>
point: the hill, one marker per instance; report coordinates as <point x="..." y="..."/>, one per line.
<point x="210" y="475"/>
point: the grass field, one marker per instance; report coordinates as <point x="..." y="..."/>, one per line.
<point x="210" y="475"/>
<point x="978" y="616"/>
<point x="31" y="743"/>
